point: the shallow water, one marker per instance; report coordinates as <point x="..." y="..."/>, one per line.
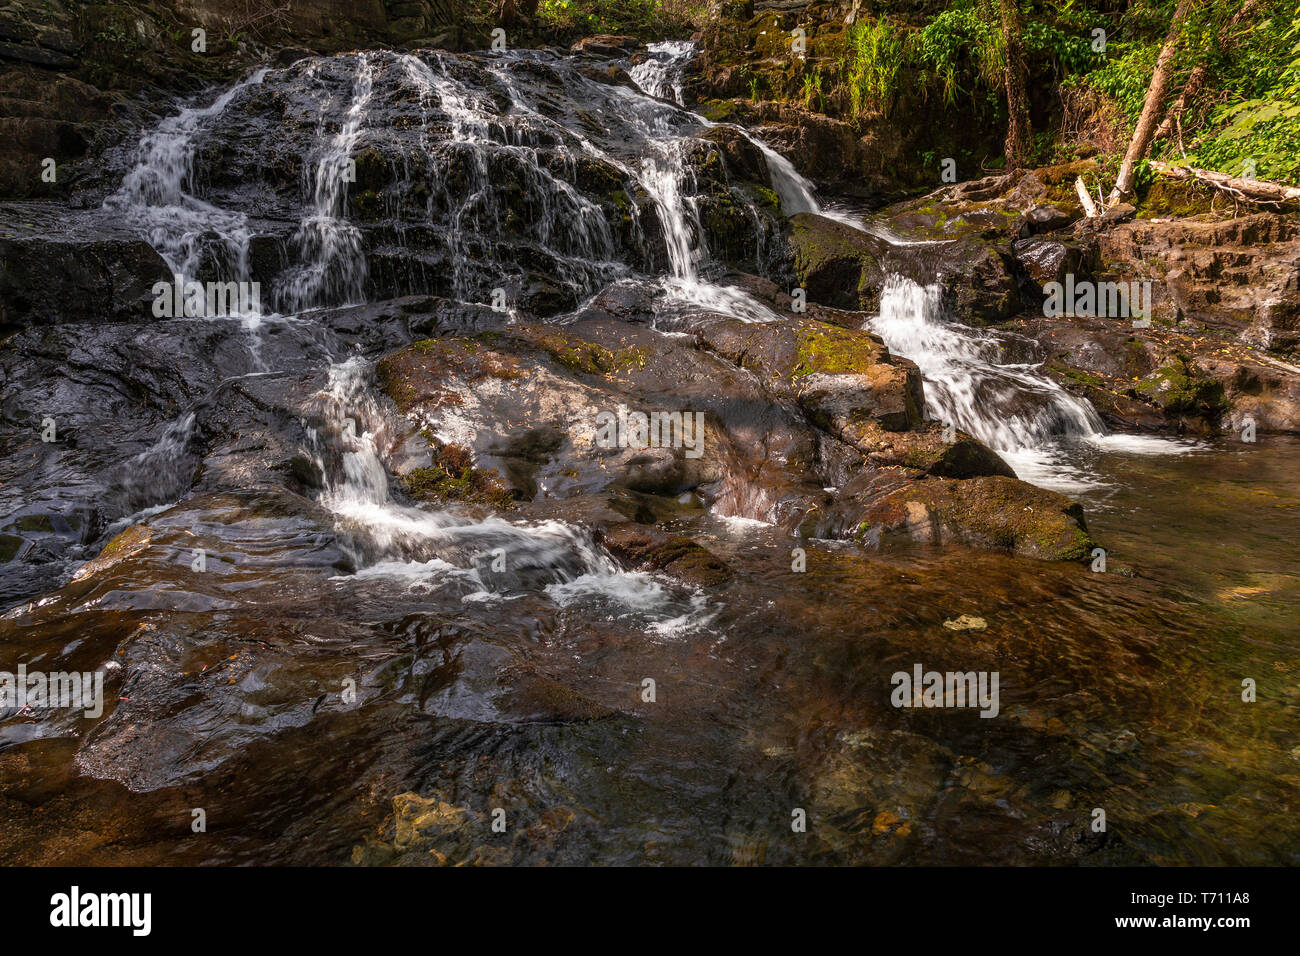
<point x="353" y="679"/>
<point x="1119" y="691"/>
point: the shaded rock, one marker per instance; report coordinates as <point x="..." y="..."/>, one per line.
<point x="605" y="44"/>
<point x="45" y="281"/>
<point x="837" y="265"/>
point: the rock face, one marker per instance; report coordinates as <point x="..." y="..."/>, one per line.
<point x="1240" y="276"/>
<point x="51" y="277"/>
<point x="65" y="66"/>
<point x="809" y="426"/>
<point x="838" y="265"/>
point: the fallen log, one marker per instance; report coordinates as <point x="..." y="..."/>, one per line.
<point x="1248" y="190"/>
<point x="1089" y="207"/>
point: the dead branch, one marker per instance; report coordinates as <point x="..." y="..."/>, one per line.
<point x="1258" y="191"/>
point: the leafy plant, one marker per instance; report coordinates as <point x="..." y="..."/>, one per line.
<point x="876" y="51"/>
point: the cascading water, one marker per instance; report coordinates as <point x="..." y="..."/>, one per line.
<point x="487" y="559"/>
<point x="156" y="198"/>
<point x="482" y="148"/>
<point x="985" y="382"/>
<point x="660" y="74"/>
<point x="332" y="267"/>
<point x="991" y="384"/>
<point x="1010" y="406"/>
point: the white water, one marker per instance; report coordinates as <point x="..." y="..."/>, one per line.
<point x="970" y="381"/>
<point x="155" y="197"/>
<point x="332" y="264"/>
<point x="660" y="74"/>
<point x="488" y="559"/>
<point x="1013" y="407"/>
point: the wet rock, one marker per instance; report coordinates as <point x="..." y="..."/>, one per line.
<point x="837" y="265"/>
<point x="966" y="622"/>
<point x="1178" y="390"/>
<point x="49" y="280"/>
<point x="124" y="546"/>
<point x="994" y="512"/>
<point x="744" y="160"/>
<point x="535" y="697"/>
<point x="845" y="378"/>
<point x="648" y="548"/>
<point x="605" y="44"/>
<point x="1049" y="260"/>
<point x="1045" y="218"/>
<point x="932" y="450"/>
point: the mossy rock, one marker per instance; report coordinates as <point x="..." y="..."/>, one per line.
<point x="424" y="371"/>
<point x="126" y="544"/>
<point x="453" y="477"/>
<point x="579" y="355"/>
<point x="836" y="264"/>
<point x="1179" y="390"/>
<point x="830" y="350"/>
<point x="989" y="512"/>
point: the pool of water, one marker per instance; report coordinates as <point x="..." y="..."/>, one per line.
<point x="1119" y="691"/>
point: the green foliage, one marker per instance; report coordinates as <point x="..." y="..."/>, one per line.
<point x="963" y="42"/>
<point x="876" y="50"/>
<point x="654" y="19"/>
<point x="1257" y="131"/>
<point x="1125" y="78"/>
<point x="1246" y="118"/>
<point x="812" y="91"/>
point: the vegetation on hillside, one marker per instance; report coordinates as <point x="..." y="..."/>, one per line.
<point x="1233" y="101"/>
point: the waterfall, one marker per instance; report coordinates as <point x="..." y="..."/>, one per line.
<point x="969" y="381"/>
<point x="156" y="199"/>
<point x="660" y="74"/>
<point x="982" y="381"/>
<point x="986" y="383"/>
<point x="333" y="264"/>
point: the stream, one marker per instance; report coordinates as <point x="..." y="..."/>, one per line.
<point x="256" y="446"/>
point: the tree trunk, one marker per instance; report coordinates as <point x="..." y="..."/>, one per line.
<point x="1248" y="190"/>
<point x="1151" y="107"/>
<point x="1226" y="39"/>
<point x="1018" y="128"/>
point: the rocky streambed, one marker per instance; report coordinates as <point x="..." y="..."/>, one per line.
<point x="388" y="552"/>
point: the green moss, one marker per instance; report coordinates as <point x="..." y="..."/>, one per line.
<point x="423" y="368"/>
<point x="718" y="111"/>
<point x="1003" y="513"/>
<point x="126" y="540"/>
<point x="1077" y="376"/>
<point x="9" y="545"/>
<point x="453" y="477"/>
<point x="35" y="523"/>
<point x="834" y="351"/>
<point x="588" y="358"/>
<point x="1178" y="390"/>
